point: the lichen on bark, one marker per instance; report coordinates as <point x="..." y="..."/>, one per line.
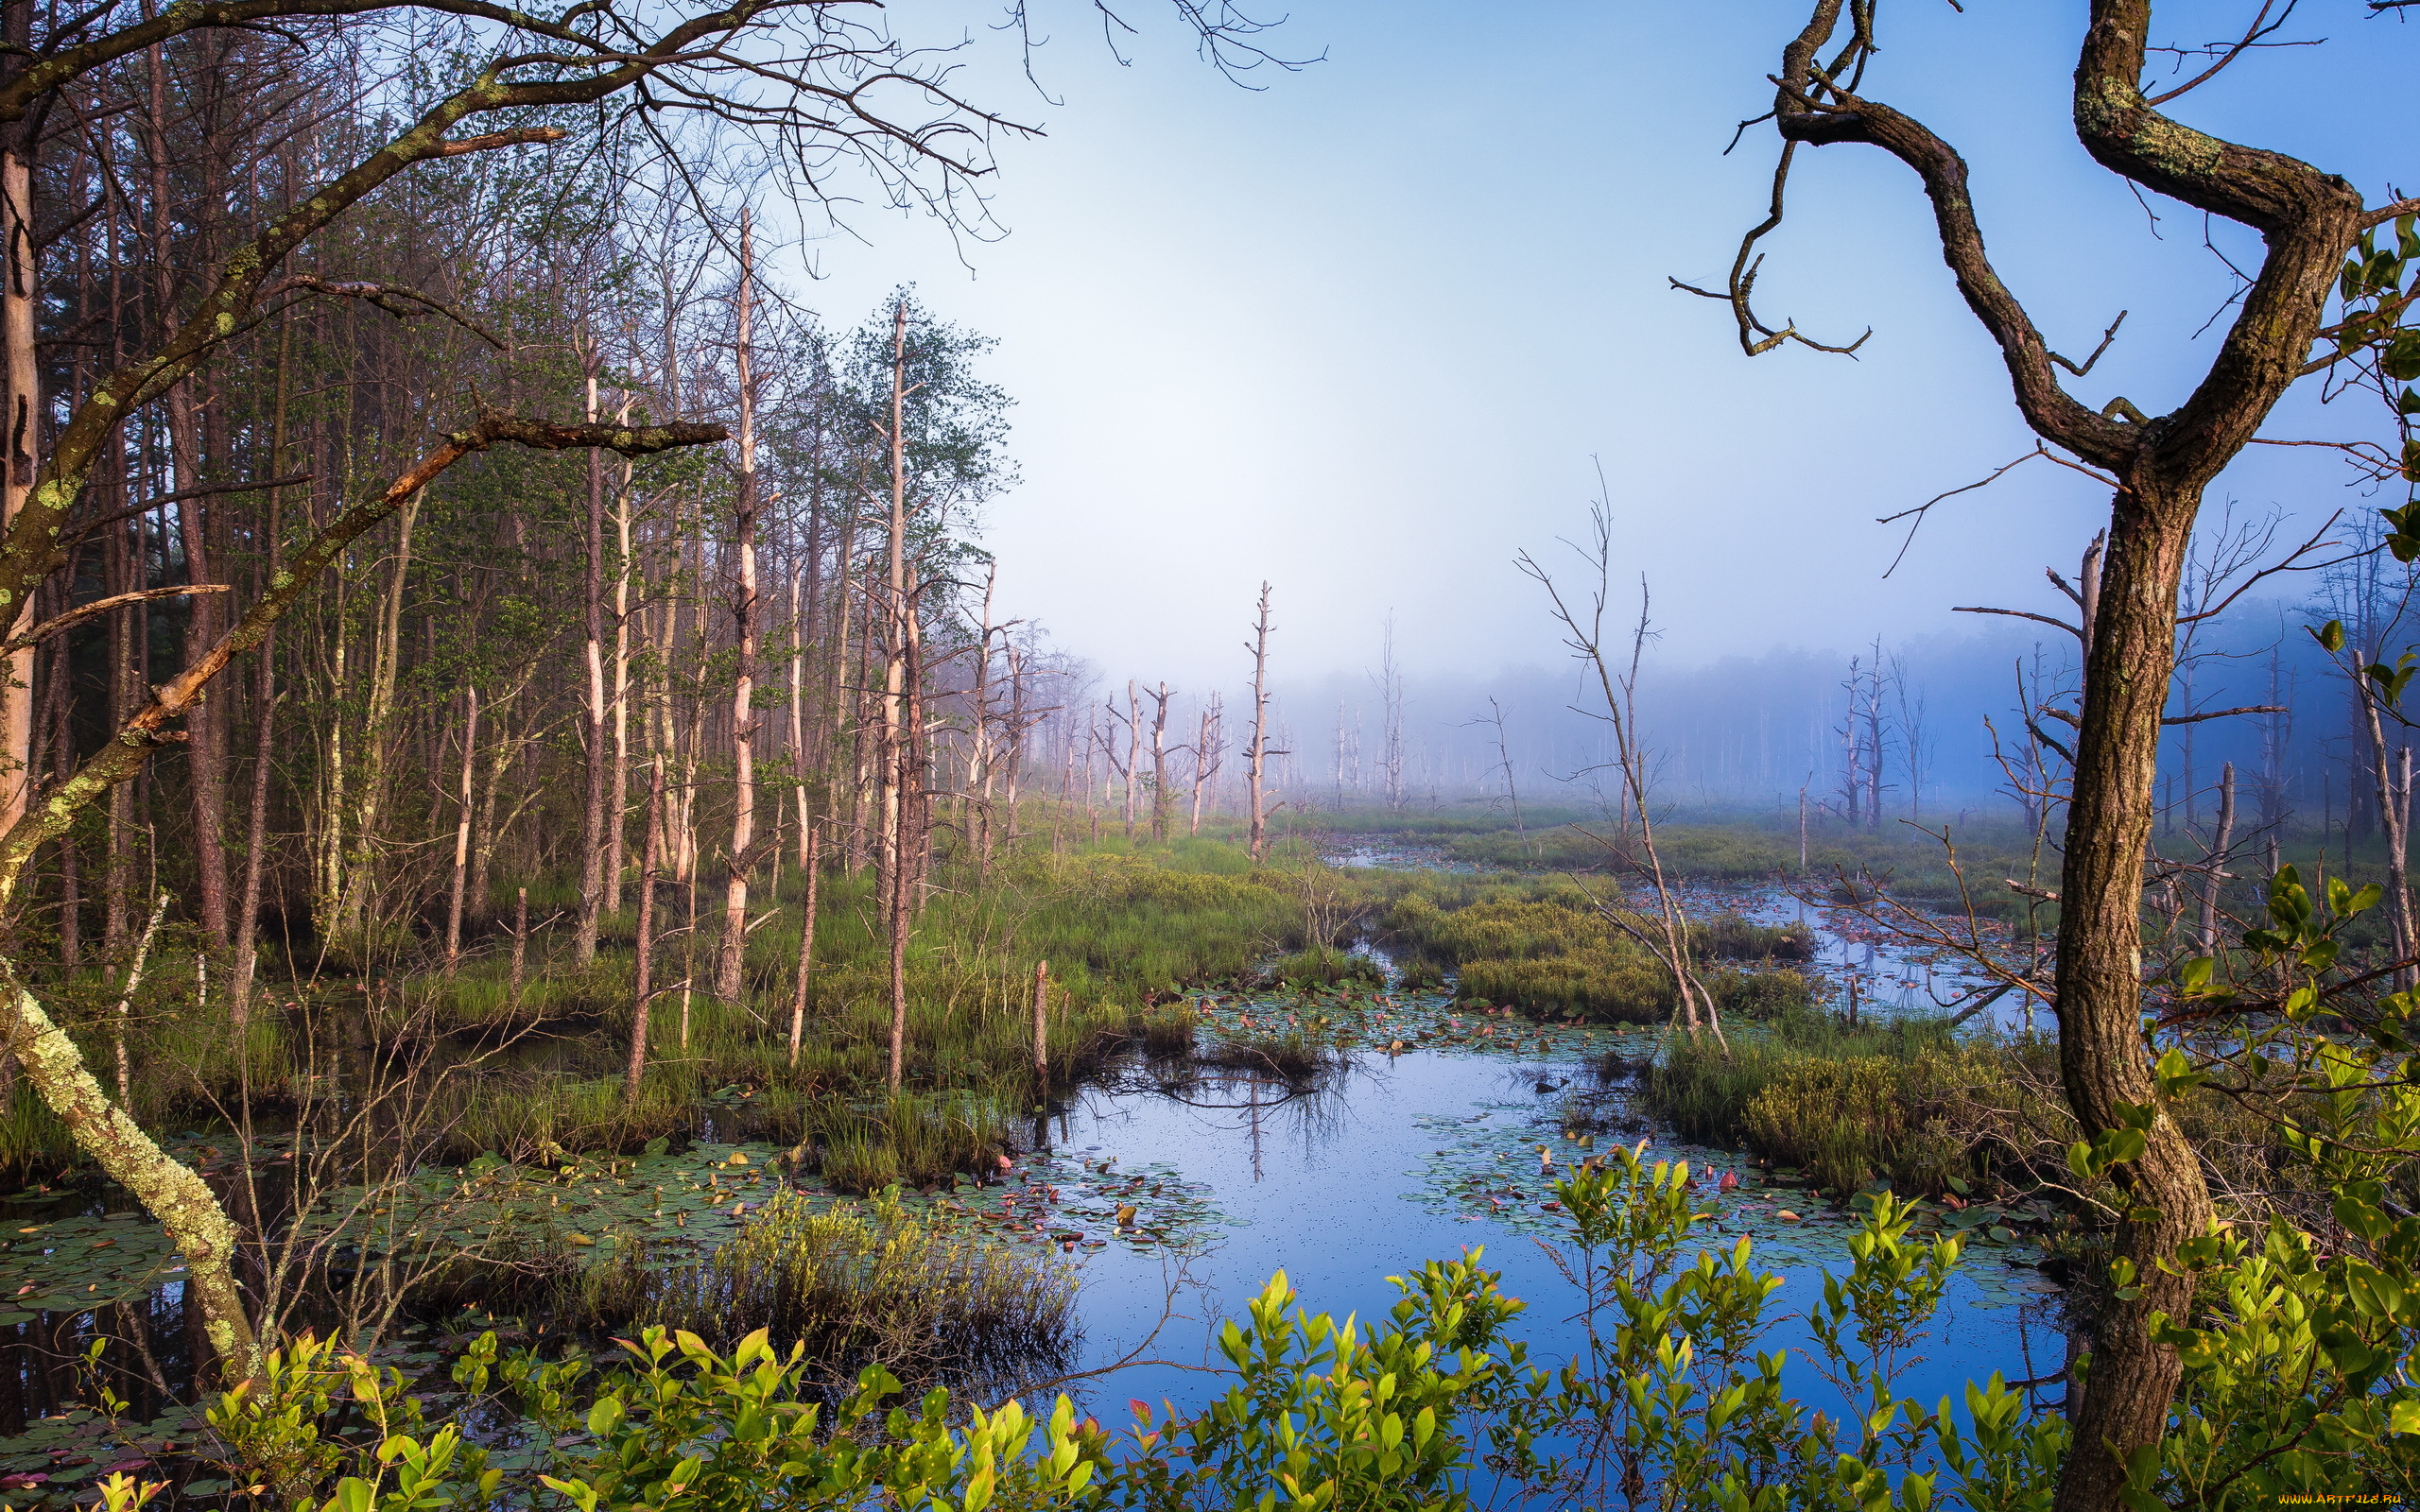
<point x="175" y="1193"/>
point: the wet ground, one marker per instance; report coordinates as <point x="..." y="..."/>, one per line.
<point x="1173" y="1191"/>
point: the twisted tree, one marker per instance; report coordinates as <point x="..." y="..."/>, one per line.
<point x="2310" y="222"/>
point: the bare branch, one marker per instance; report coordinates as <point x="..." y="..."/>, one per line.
<point x="97" y="608"/>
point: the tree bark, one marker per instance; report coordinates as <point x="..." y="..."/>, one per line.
<point x="462" y="830"/>
<point x="600" y="755"/>
<point x="1258" y="755"/>
<point x="730" y="968"/>
<point x="813" y="867"/>
<point x="2308" y="220"/>
<point x="2214" y="874"/>
<point x="1042" y="1033"/>
<point x="893" y="877"/>
<point x="643" y="979"/>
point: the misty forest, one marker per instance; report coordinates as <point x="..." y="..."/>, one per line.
<point x="794" y="754"/>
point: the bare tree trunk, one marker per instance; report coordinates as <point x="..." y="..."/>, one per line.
<point x="20" y="368"/>
<point x="813" y="867"/>
<point x="1134" y="753"/>
<point x="248" y="909"/>
<point x="1258" y="753"/>
<point x="1016" y="733"/>
<point x="2099" y="983"/>
<point x="1163" y="800"/>
<point x="2214" y="871"/>
<point x="520" y="941"/>
<point x="730" y="970"/>
<point x="462" y="830"/>
<point x="894" y="738"/>
<point x="643" y="980"/>
<point x="618" y="802"/>
<point x="599" y="754"/>
<point x="1042" y="1032"/>
<point x="978" y="754"/>
<point x="799" y="762"/>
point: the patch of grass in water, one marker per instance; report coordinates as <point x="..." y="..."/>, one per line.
<point x="858" y="1284"/>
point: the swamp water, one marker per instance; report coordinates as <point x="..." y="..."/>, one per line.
<point x="1171" y="1190"/>
<point x="1417" y="1155"/>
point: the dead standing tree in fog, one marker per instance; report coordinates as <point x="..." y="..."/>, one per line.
<point x="1209" y="749"/>
<point x="2158" y="468"/>
<point x="1163" y="795"/>
<point x="1667" y="937"/>
<point x="1390" y="685"/>
<point x="1256" y="755"/>
<point x="1495" y="720"/>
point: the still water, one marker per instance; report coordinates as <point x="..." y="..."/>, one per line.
<point x="1418" y="1156"/>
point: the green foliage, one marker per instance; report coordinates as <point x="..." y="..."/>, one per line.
<point x="2297" y="1379"/>
<point x="1319" y="1417"/>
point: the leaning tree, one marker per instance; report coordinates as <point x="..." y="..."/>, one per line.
<point x="2326" y="298"/>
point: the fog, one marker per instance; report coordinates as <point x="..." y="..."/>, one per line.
<point x="1366" y="329"/>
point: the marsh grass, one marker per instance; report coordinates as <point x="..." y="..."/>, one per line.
<point x="1905" y="1101"/>
<point x="539" y="1069"/>
<point x="1324" y="967"/>
<point x="858" y="1284"/>
<point x="1541" y="945"/>
<point x="31" y="1136"/>
<point x="1294" y="1057"/>
<point x="1167" y="1033"/>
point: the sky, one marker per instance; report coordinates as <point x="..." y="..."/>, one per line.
<point x="1368" y="329"/>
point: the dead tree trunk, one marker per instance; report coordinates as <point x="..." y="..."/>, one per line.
<point x="600" y="755"/>
<point x="730" y="968"/>
<point x="893" y="889"/>
<point x="1163" y="797"/>
<point x="1042" y="1033"/>
<point x="1256" y="758"/>
<point x="642" y="974"/>
<point x="463" y="831"/>
<point x="2214" y="872"/>
<point x="813" y="867"/>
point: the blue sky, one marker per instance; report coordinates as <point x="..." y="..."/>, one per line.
<point x="1362" y="330"/>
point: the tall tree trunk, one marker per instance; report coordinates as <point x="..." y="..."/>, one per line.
<point x="900" y="612"/>
<point x="1163" y="797"/>
<point x="1258" y="757"/>
<point x="730" y="971"/>
<point x="643" y="980"/>
<point x="599" y="754"/>
<point x="248" y="910"/>
<point x="812" y="865"/>
<point x="618" y="802"/>
<point x="1134" y="753"/>
<point x="206" y="772"/>
<point x="2099" y="980"/>
<point x="2214" y="872"/>
<point x="20" y="292"/>
<point x="801" y="767"/>
<point x="462" y="830"/>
